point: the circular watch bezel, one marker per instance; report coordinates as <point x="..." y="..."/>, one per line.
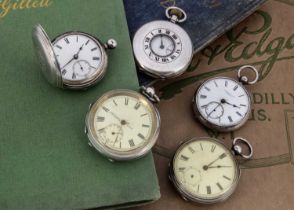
<point x="99" y="72"/>
<point x="213" y="126"/>
<point x="162" y="70"/>
<point x="186" y="195"/>
<point x="122" y="155"/>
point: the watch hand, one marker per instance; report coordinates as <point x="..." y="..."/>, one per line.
<point x="219" y="157"/>
<point x="115" y="116"/>
<point x="219" y="166"/>
<point x="81" y="66"/>
<point x="218" y="104"/>
<point x="80" y="49"/>
<point x="75" y="57"/>
<point x="117" y="136"/>
<point x="68" y="62"/>
<point x="123" y="122"/>
<point x="161" y="43"/>
<point x="128" y="125"/>
<point x="223" y="101"/>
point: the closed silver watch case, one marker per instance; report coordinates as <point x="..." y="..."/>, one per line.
<point x="163" y="70"/>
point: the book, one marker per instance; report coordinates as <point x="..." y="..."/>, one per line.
<point x="266" y="41"/>
<point x="45" y="160"/>
<point x="206" y="19"/>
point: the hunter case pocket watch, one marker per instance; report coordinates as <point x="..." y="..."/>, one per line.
<point x="123" y="124"/>
<point x="224" y="104"/>
<point x="162" y="48"/>
<point x="204" y="171"/>
<point x="73" y="60"/>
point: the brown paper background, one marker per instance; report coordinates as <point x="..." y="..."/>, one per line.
<point x="267" y="181"/>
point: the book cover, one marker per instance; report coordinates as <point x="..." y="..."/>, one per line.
<point x="265" y="40"/>
<point x="207" y="19"/>
<point x="45" y="160"/>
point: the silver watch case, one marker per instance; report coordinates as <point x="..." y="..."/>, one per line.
<point x="162" y="70"/>
<point x="50" y="66"/>
<point x="117" y="155"/>
<point x="188" y="196"/>
<point x="202" y="119"/>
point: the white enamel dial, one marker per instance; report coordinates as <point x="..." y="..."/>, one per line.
<point x="205" y="169"/>
<point x="162" y="45"/>
<point x="123" y="125"/>
<point x="79" y="56"/>
<point x="223" y="102"/>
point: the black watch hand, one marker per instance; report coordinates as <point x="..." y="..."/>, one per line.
<point x="223" y="101"/>
<point x="214" y="109"/>
<point x="206" y="167"/>
<point x="80" y="49"/>
<point x="219" y="166"/>
<point x="161" y="43"/>
<point x="75" y="57"/>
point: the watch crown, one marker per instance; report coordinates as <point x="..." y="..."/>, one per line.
<point x="111" y="44"/>
<point x="238" y="149"/>
<point x="86" y="130"/>
<point x="149" y="92"/>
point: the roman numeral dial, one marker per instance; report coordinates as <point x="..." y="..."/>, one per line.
<point x="205" y="168"/>
<point x="162" y="45"/>
<point x="125" y="122"/>
<point x="79" y="56"/>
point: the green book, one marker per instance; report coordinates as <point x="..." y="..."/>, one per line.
<point x="45" y="161"/>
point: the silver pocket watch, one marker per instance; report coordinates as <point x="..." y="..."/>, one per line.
<point x="162" y="48"/>
<point x="123" y="124"/>
<point x="73" y="60"/>
<point x="224" y="104"/>
<point x="204" y="171"/>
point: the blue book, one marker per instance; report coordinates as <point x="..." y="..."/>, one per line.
<point x="207" y="19"/>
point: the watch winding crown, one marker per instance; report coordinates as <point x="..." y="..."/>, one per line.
<point x="111" y="44"/>
<point x="149" y="92"/>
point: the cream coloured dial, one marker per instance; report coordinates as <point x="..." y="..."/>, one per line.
<point x="123" y="123"/>
<point x="205" y="169"/>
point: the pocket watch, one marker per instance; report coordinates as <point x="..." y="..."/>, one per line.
<point x="162" y="48"/>
<point x="224" y="104"/>
<point x="123" y="124"/>
<point x="204" y="171"/>
<point x="73" y="60"/>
